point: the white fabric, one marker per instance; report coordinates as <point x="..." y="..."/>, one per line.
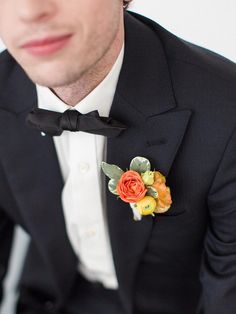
<point x="83" y="199"/>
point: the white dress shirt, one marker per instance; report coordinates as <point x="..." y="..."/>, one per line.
<point x="83" y="199"/>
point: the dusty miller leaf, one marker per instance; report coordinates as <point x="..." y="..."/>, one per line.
<point x="152" y="192"/>
<point x="112" y="184"/>
<point x="140" y="164"/>
<point x="112" y="171"/>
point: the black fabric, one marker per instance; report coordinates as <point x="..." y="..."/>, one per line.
<point x="53" y="123"/>
<point x="85" y="298"/>
<point x="92" y="298"/>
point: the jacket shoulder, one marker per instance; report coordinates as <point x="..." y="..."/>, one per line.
<point x="180" y="50"/>
<point x="202" y="81"/>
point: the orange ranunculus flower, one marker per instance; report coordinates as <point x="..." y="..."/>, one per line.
<point x="164" y="200"/>
<point x="131" y="188"/>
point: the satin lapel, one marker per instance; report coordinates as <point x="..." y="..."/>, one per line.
<point x="144" y="101"/>
<point x="33" y="172"/>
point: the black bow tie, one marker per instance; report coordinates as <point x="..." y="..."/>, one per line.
<point x="54" y="123"/>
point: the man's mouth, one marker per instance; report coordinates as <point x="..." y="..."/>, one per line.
<point x="47" y="45"/>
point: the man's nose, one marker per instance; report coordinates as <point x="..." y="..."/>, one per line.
<point x="34" y="10"/>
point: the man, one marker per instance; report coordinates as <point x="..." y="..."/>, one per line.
<point x="178" y="104"/>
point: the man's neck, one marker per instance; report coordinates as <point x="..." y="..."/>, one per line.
<point x="72" y="94"/>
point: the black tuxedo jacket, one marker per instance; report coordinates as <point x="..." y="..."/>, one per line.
<point x="179" y="103"/>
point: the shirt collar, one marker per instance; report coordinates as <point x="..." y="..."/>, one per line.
<point x="99" y="98"/>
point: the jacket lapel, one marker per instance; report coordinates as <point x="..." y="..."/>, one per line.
<point x="33" y="172"/>
<point x="145" y="102"/>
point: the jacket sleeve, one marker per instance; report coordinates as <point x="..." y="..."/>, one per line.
<point x="6" y="228"/>
<point x="6" y="236"/>
<point x="218" y="272"/>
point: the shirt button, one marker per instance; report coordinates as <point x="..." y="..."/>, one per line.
<point x="83" y="167"/>
<point x="91" y="232"/>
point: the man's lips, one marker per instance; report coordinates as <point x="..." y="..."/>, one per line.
<point x="46" y="45"/>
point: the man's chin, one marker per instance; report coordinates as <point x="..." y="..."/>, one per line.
<point x="50" y="75"/>
<point x="51" y="81"/>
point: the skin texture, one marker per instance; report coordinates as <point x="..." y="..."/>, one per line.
<point x="75" y="70"/>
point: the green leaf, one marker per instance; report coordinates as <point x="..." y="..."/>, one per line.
<point x="140" y="164"/>
<point x="112" y="184"/>
<point x="112" y="171"/>
<point x="151" y="191"/>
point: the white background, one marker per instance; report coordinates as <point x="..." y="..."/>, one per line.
<point x="209" y="23"/>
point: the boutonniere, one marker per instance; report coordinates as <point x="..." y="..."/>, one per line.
<point x="144" y="190"/>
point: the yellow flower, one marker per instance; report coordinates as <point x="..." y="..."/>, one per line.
<point x="147" y="205"/>
<point x="164" y="200"/>
<point x="148" y="177"/>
